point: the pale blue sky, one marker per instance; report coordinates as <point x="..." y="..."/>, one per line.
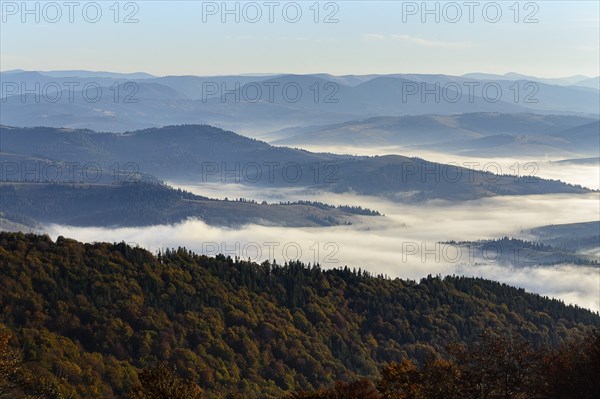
<point x="370" y="37"/>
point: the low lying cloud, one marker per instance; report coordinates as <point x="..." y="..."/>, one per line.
<point x="404" y="243"/>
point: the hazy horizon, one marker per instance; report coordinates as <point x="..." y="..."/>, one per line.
<point x="260" y="74"/>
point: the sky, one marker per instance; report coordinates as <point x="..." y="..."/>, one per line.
<point x="542" y="38"/>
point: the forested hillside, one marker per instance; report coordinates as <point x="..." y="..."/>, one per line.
<point x="90" y="316"/>
<point x="145" y="204"/>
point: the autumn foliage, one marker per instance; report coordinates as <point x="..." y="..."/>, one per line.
<point x="112" y="321"/>
<point x="497" y="367"/>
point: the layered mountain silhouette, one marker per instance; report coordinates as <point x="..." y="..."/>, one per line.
<point x="201" y="153"/>
<point x="255" y="104"/>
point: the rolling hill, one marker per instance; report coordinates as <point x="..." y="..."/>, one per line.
<point x="146" y="204"/>
<point x="199" y="153"/>
<point x="475" y="134"/>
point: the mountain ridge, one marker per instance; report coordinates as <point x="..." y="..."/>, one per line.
<point x="202" y="153"/>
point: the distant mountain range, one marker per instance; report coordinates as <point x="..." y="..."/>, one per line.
<point x="79" y="73"/>
<point x="256" y="104"/>
<point x="475" y="134"/>
<point x="577" y="80"/>
<point x="200" y="153"/>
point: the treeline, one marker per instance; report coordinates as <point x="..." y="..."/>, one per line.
<point x="507" y="242"/>
<point x="353" y="209"/>
<point x="93" y="318"/>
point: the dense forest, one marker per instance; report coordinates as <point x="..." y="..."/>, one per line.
<point x="113" y="321"/>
